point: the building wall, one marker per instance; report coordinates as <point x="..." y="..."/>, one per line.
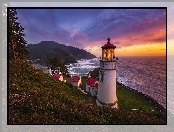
<point x="46" y="70"/>
<point x="90" y="91"/>
<point x="93" y="91"/>
<point x="108" y="65"/>
<point x="74" y="84"/>
<point x="107" y="85"/>
<point x="87" y="88"/>
<point x="80" y="81"/>
<point x="61" y="78"/>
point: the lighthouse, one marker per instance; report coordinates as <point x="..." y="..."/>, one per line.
<point x="107" y="77"/>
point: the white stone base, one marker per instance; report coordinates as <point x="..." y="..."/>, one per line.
<point x="115" y="106"/>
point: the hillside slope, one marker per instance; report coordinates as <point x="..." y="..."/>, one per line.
<point x="45" y="48"/>
<point x="37" y="98"/>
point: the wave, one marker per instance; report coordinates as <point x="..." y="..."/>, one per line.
<point x="145" y="74"/>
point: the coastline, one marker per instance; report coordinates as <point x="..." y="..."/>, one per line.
<point x="144" y="97"/>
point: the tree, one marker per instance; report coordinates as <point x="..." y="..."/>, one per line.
<point x="16" y="41"/>
<point x="55" y="64"/>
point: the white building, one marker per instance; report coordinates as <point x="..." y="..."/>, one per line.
<point x="87" y="84"/>
<point x="58" y="76"/>
<point x="91" y="86"/>
<point x="75" y="81"/>
<point x="43" y="68"/>
<point x="94" y="89"/>
<point x="107" y="77"/>
<point x="47" y="70"/>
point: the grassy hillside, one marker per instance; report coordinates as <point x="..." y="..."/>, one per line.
<point x="37" y="98"/>
<point x="132" y="99"/>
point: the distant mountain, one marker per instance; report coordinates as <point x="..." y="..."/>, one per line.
<point x="67" y="54"/>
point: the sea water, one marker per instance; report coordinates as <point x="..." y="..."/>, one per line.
<point x="145" y="74"/>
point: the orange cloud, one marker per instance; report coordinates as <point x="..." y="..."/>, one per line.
<point x="143" y="50"/>
<point x="132" y="48"/>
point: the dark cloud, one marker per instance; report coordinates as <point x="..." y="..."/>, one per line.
<point x="82" y="27"/>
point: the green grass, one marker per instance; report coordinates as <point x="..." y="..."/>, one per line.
<point x="37" y="98"/>
<point x="130" y="100"/>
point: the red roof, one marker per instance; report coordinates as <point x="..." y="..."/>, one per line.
<point x="108" y="45"/>
<point x="57" y="76"/>
<point x="91" y="81"/>
<point x="74" y="79"/>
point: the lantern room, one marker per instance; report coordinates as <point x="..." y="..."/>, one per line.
<point x="108" y="51"/>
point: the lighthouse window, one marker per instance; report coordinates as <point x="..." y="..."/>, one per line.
<point x="102" y="78"/>
<point x="105" y="55"/>
<point x="108" y="54"/>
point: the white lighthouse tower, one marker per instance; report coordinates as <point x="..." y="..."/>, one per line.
<point x="107" y="77"/>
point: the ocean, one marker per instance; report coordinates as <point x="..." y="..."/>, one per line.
<point x="145" y="74"/>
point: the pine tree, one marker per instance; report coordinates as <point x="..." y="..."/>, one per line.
<point x="17" y="43"/>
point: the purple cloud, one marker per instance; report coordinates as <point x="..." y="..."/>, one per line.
<point x="82" y="27"/>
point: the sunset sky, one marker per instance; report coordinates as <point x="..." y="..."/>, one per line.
<point x="135" y="32"/>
